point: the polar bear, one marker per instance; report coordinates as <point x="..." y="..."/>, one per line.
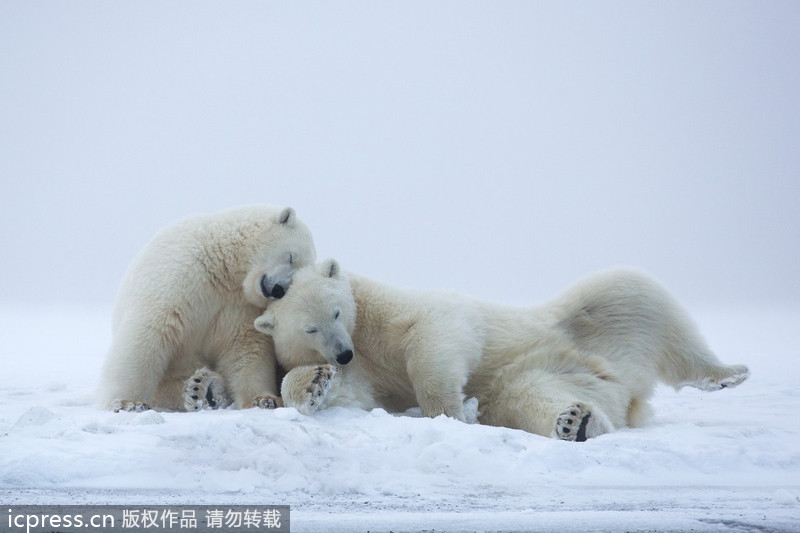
<point x="581" y="365"/>
<point x="183" y="335"/>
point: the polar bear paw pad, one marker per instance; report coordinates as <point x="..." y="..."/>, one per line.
<point x="306" y="388"/>
<point x="205" y="389"/>
<point x="571" y="424"/>
<point x="320" y="383"/>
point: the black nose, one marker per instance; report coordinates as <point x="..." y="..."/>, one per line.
<point x="344" y="357"/>
<point x="278" y="291"/>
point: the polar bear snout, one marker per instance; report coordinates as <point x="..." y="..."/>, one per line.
<point x="272" y="290"/>
<point x="344" y="357"/>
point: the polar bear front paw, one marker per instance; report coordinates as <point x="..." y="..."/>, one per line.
<point x="204" y="389"/>
<point x="267" y="402"/>
<point x="130" y="406"/>
<point x="305" y="388"/>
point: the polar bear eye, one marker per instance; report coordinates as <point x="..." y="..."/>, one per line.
<point x="291" y="259"/>
<point x="336" y="314"/>
<point x="310" y="330"/>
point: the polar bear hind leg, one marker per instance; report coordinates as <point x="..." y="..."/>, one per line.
<point x="566" y="405"/>
<point x="628" y="318"/>
<point x="718" y="377"/>
<point x="138" y="359"/>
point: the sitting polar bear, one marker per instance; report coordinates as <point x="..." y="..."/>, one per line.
<point x="188" y="302"/>
<point x="579" y="366"/>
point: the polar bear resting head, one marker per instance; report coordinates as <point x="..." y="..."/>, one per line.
<point x="284" y="245"/>
<point x="316" y="322"/>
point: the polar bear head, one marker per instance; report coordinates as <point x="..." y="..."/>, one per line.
<point x="282" y="246"/>
<point x="315" y="320"/>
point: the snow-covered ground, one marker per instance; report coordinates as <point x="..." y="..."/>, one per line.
<point x="723" y="461"/>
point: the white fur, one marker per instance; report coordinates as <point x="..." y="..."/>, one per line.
<point x="189" y="299"/>
<point x="595" y="351"/>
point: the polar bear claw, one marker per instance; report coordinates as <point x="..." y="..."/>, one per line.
<point x="130" y="406"/>
<point x="267" y="402"/>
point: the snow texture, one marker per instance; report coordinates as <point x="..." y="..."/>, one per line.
<point x="723" y="461"/>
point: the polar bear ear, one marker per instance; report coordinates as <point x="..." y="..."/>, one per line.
<point x="329" y="268"/>
<point x="287" y="216"/>
<point x="265" y="323"/>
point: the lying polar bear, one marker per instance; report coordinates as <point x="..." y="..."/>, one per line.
<point x="576" y="367"/>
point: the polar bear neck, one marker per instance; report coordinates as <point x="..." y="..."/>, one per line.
<point x="225" y="252"/>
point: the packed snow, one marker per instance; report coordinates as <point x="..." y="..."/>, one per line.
<point x="722" y="461"/>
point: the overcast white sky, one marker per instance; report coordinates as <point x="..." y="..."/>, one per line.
<point x="502" y="149"/>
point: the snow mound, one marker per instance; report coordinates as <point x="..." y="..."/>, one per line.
<point x="35" y="416"/>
